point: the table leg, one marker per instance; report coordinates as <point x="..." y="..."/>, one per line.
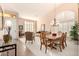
<point x="15" y="50"/>
<point x="53" y="47"/>
<point x="7" y="53"/>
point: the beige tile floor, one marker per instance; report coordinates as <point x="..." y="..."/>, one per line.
<point x="29" y="49"/>
<point x="70" y="50"/>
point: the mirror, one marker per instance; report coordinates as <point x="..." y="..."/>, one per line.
<point x="1" y="18"/>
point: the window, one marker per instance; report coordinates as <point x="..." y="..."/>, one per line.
<point x="29" y="26"/>
<point x="66" y="20"/>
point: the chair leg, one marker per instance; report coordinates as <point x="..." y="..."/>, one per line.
<point x="60" y="48"/>
<point x="46" y="49"/>
<point x="65" y="44"/>
<point x="32" y="42"/>
<point x="41" y="46"/>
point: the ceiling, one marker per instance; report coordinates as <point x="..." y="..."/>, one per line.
<point x="32" y="11"/>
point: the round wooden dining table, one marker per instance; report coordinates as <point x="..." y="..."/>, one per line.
<point x="52" y="39"/>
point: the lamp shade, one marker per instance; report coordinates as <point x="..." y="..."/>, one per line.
<point x="8" y="23"/>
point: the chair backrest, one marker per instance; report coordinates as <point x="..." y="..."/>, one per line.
<point x="65" y="36"/>
<point x="29" y="35"/>
<point x="43" y="36"/>
<point x="62" y="38"/>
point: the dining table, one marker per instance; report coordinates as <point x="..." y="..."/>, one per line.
<point x="52" y="39"/>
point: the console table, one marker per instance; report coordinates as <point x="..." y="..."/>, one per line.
<point x="7" y="47"/>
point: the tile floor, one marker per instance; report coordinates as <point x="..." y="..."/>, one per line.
<point x="29" y="49"/>
<point x="70" y="50"/>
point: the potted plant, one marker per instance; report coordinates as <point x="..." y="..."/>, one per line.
<point x="74" y="32"/>
<point x="7" y="38"/>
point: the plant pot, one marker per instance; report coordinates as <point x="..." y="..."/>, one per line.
<point x="7" y="38"/>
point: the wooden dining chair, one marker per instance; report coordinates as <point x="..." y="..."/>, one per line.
<point x="29" y="36"/>
<point x="65" y="37"/>
<point x="60" y="42"/>
<point x="43" y="41"/>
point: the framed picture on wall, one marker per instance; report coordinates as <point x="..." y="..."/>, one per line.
<point x="20" y="27"/>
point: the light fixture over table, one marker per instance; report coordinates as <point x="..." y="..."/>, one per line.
<point x="54" y="24"/>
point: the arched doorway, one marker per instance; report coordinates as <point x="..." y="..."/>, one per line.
<point x="66" y="20"/>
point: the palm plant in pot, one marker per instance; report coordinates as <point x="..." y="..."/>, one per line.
<point x="74" y="32"/>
